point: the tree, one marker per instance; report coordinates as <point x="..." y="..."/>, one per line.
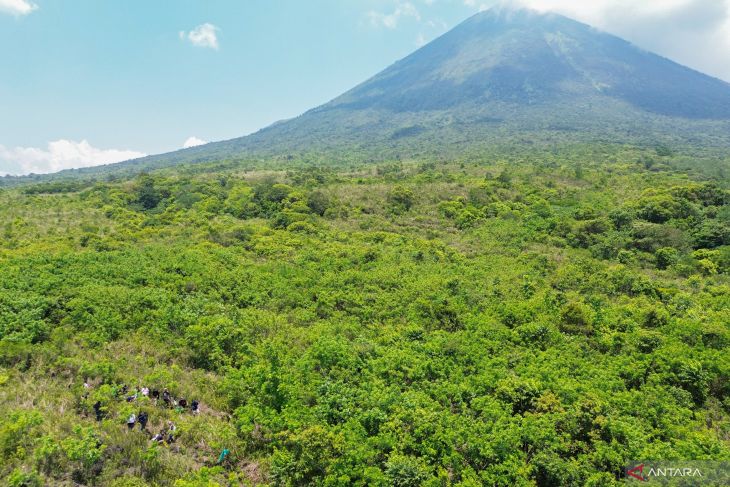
<point x="666" y="257"/>
<point x="148" y="196"/>
<point x="318" y="202"/>
<point x="576" y="319"/>
<point x="401" y="199"/>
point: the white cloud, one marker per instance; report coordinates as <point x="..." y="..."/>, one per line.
<point x="692" y="32"/>
<point x="193" y="142"/>
<point x="17" y="7"/>
<point x="481" y="6"/>
<point x="60" y="154"/>
<point x="390" y="21"/>
<point x="602" y="10"/>
<point x="204" y="35"/>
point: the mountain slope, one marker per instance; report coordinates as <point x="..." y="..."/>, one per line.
<point x="500" y="77"/>
<point x="526" y="58"/>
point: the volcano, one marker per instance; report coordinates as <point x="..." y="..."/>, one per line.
<point x="500" y="77"/>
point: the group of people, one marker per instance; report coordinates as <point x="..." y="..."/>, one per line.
<point x="167" y="433"/>
<point x="141" y="419"/>
<point x="168" y="400"/>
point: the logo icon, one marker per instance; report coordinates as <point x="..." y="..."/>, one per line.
<point x="637" y="472"/>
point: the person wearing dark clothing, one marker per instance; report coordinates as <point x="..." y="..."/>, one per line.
<point x="142" y="420"/>
<point x="166" y="397"/>
<point x="194" y="406"/>
<point x="171" y="428"/>
<point x="182" y="403"/>
<point x="97" y="410"/>
<point x="155" y="394"/>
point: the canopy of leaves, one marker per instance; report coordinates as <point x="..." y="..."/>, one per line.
<point x="538" y="320"/>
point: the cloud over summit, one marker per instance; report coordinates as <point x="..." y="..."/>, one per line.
<point x="692" y="32"/>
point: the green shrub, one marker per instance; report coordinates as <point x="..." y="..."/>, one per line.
<point x="666" y="257"/>
<point x="576" y="319"/>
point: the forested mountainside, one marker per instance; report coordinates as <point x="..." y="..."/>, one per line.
<point x="540" y="318"/>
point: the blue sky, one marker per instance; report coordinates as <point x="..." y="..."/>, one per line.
<point x="140" y="77"/>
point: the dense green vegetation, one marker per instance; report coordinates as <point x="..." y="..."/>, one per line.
<point x="539" y="319"/>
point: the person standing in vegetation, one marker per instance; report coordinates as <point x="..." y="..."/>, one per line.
<point x="171" y="428"/>
<point x="131" y="421"/>
<point x="143" y="420"/>
<point x="97" y="410"/>
<point x="166" y="397"/>
<point x="223" y="456"/>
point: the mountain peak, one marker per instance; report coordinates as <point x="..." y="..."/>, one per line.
<point x="516" y="14"/>
<point x="511" y="12"/>
<point x="522" y="56"/>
